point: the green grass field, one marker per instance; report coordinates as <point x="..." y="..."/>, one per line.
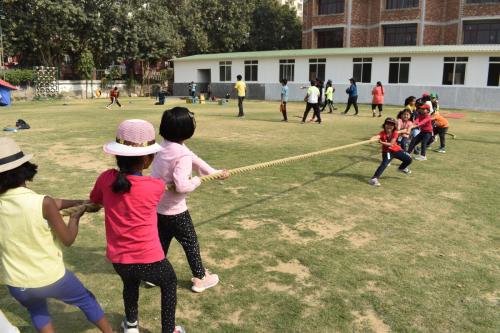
<point x="303" y="247"/>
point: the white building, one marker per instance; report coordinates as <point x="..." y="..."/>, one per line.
<point x="297" y="4"/>
<point x="464" y="76"/>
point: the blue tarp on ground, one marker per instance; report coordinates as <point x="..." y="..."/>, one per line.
<point x="4" y="96"/>
<point x="5" y="88"/>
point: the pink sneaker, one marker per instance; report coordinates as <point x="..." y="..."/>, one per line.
<point x="179" y="329"/>
<point x="208" y="281"/>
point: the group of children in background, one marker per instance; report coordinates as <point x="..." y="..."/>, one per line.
<point x="141" y="218"/>
<point x="418" y="123"/>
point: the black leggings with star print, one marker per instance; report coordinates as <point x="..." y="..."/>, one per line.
<point x="181" y="227"/>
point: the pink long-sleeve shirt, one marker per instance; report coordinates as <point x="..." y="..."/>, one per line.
<point x="174" y="165"/>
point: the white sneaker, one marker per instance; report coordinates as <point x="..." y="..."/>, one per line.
<point x="374" y="182"/>
<point x="130" y="327"/>
<point x="420" y="158"/>
<point x="405" y="171"/>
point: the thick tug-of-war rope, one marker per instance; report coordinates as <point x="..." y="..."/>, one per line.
<point x="91" y="207"/>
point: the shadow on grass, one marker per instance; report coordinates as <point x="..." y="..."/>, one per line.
<point x="479" y="141"/>
<point x="320" y="176"/>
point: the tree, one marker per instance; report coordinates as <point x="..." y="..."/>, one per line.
<point x="85" y="67"/>
<point x="274" y="27"/>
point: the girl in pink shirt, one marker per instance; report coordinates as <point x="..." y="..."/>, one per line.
<point x="130" y="200"/>
<point x="378" y="99"/>
<point x="174" y="165"/>
<point x="405" y="126"/>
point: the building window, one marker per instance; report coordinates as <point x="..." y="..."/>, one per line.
<point x="362" y="69"/>
<point x="317" y="69"/>
<point x="225" y="71"/>
<point x="483" y="1"/>
<point x="482" y="32"/>
<point x="398" y="35"/>
<point x="251" y="69"/>
<point x="454" y="70"/>
<point x="330" y="38"/>
<point x="399" y="69"/>
<point x="287" y="69"/>
<point x="494" y="72"/>
<point x="328" y="7"/>
<point x="400" y="4"/>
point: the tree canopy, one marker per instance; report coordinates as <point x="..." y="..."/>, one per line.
<point x="45" y="32"/>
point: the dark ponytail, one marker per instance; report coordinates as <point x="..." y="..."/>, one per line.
<point x="127" y="165"/>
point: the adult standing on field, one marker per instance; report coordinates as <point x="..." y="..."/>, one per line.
<point x="113" y="96"/>
<point x="352" y="91"/>
<point x="241" y="88"/>
<point x="312" y="100"/>
<point x="378" y="93"/>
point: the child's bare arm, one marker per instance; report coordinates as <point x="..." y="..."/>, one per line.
<point x="67" y="234"/>
<point x="64" y="203"/>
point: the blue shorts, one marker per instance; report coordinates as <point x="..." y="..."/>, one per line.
<point x="67" y="289"/>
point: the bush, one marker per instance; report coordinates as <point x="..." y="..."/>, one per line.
<point x="19" y="77"/>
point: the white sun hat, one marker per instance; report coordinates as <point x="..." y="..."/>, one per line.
<point x="11" y="156"/>
<point x="134" y="137"/>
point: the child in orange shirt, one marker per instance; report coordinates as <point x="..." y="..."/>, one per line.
<point x="440" y="127"/>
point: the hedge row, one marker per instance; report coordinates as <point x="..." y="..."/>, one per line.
<point x="19" y="77"/>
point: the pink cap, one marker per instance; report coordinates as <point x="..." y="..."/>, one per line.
<point x="134" y="137"/>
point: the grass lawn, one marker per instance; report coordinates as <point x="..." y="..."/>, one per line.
<point x="303" y="247"/>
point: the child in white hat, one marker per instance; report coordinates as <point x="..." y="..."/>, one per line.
<point x="31" y="257"/>
<point x="130" y="200"/>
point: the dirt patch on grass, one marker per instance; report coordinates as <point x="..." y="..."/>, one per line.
<point x="361" y="239"/>
<point x="313" y="302"/>
<point x="325" y="229"/>
<point x="371" y="286"/>
<point x="371" y="320"/>
<point x="452" y="195"/>
<point x="72" y="157"/>
<point x="229" y="234"/>
<point x="188" y="312"/>
<point x="293" y="267"/>
<point x="290" y="234"/>
<point x="235" y="190"/>
<point x="249" y="224"/>
<point x="232" y="262"/>
<point x="373" y="271"/>
<point x="273" y="286"/>
<point x="493" y="298"/>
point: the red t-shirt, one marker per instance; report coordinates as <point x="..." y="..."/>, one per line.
<point x="130" y="218"/>
<point x="395" y="147"/>
<point x="424" y="121"/>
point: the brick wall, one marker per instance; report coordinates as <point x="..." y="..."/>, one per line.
<point x="367" y="14"/>
<point x="481" y="9"/>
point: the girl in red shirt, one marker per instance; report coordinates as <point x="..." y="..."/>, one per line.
<point x="424" y="122"/>
<point x="390" y="149"/>
<point x="133" y="244"/>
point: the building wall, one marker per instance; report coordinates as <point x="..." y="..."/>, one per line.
<point x="443" y="21"/>
<point x="425" y="74"/>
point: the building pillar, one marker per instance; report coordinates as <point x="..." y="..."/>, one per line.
<point x="349" y="23"/>
<point x="460" y="22"/>
<point x="421" y="29"/>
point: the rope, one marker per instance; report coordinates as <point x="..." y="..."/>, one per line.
<point x="171" y="187"/>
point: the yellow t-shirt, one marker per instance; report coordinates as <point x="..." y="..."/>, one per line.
<point x="30" y="255"/>
<point x="241" y="87"/>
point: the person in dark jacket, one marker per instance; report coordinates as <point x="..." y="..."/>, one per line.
<point x="352" y="91"/>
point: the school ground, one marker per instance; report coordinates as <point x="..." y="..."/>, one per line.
<point x="303" y="247"/>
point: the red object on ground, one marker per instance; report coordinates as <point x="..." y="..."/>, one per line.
<point x="7" y="85"/>
<point x="454" y="115"/>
